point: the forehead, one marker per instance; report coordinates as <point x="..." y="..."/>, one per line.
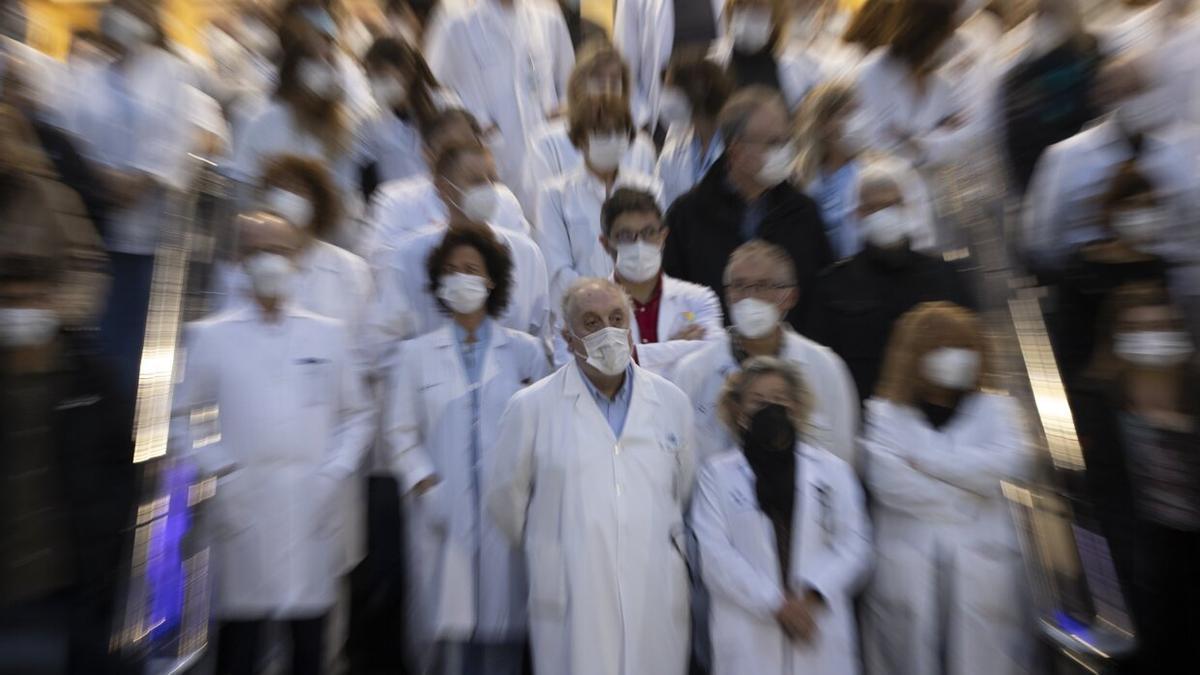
<point x="755" y="266"/>
<point x="768" y="118"/>
<point x="634" y="221"/>
<point x="464" y="254"/>
<point x="598" y="300"/>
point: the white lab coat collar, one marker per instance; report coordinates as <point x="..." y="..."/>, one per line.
<point x="642" y="404"/>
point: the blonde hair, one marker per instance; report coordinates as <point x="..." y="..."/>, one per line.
<point x="593" y="56"/>
<point x="926" y="327"/>
<point x="733" y="394"/>
<point x="821" y="105"/>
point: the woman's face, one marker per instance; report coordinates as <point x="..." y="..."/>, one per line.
<point x="765" y="390"/>
<point x="467" y="260"/>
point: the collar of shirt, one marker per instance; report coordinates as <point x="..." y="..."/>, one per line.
<point x="623" y="395"/>
<point x="646" y="314"/>
<point x="703" y="160"/>
<point x="482" y="334"/>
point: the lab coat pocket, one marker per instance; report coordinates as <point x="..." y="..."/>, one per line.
<point x="316" y="381"/>
<point x="547" y="579"/>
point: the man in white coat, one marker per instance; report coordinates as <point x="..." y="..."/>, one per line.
<point x="672" y="317"/>
<point x="467" y="184"/>
<point x="607" y="445"/>
<point x="760" y="289"/>
<point x="508" y="61"/>
<point x="295" y="424"/>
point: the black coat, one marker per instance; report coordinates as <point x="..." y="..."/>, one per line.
<point x="705" y="227"/>
<point x="855" y="302"/>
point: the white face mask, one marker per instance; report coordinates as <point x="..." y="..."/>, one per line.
<point x="321" y="80"/>
<point x="124" y="28"/>
<point x="462" y="293"/>
<point x="952" y="368"/>
<point x="27" y="326"/>
<point x="886" y="227"/>
<point x="608" y="350"/>
<point x="388" y="92"/>
<point x="478" y="202"/>
<point x="1154" y="348"/>
<point x="1140" y="226"/>
<point x="294" y="208"/>
<point x="270" y="275"/>
<point x="605" y="151"/>
<point x="639" y="261"/>
<point x="777" y="165"/>
<point x="674" y="108"/>
<point x="750" y="28"/>
<point x="1149" y="111"/>
<point x="754" y="318"/>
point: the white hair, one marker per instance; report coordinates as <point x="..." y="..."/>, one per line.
<point x="883" y="171"/>
<point x="583" y="284"/>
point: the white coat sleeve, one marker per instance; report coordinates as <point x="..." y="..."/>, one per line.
<point x="848" y="567"/>
<point x="843" y="393"/>
<point x="360" y="287"/>
<point x="196" y="391"/>
<point x="542" y="164"/>
<point x="892" y="481"/>
<point x="686" y="470"/>
<point x="509" y="467"/>
<point x="628" y="23"/>
<point x="552" y="238"/>
<point x="452" y="64"/>
<point x="659" y="356"/>
<point x="1001" y="454"/>
<point x="727" y="574"/>
<point x="564" y="56"/>
<point x="541" y="324"/>
<point x="402" y="425"/>
<point x="1043" y="209"/>
<point x="357" y="418"/>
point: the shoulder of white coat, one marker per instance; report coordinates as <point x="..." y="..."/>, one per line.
<point x="551" y="133"/>
<point x="729" y="461"/>
<point x="545" y="391"/>
<point x="679" y="287"/>
<point x="828" y="461"/>
<point x="665" y="392"/>
<point x="804" y="350"/>
<point x="880" y="411"/>
<point x="522" y="342"/>
<point x="519" y="242"/>
<point x="997" y="407"/>
<point x="696" y="367"/>
<point x="641" y="181"/>
<point x="339" y="258"/>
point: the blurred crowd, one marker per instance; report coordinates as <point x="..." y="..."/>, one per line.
<point x="507" y="341"/>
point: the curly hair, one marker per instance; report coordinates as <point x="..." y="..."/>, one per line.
<point x="926" y="327"/>
<point x="496" y="258"/>
<point x="317" y="182"/>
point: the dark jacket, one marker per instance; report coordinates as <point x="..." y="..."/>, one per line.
<point x="855" y="302"/>
<point x="705" y="227"/>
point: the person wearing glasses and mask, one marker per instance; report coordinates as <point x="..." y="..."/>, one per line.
<point x="467" y="183"/>
<point x="599" y="74"/>
<point x="747" y="194"/>
<point x="672" y="318"/>
<point x="696" y="90"/>
<point x="467" y="586"/>
<point x="760" y="289"/>
<point x="783" y="534"/>
<point x="949" y="594"/>
<point x="295" y="425"/>
<point x="590" y="473"/>
<point x="568" y="217"/>
<point x="855" y="303"/>
<point x="1136" y="408"/>
<point x="753" y="50"/>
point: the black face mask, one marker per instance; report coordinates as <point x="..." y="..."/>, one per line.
<point x="939" y="415"/>
<point x="769" y="445"/>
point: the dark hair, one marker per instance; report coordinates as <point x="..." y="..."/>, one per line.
<point x="331" y="127"/>
<point x="326" y="200"/>
<point x="627" y="200"/>
<point x="919" y="28"/>
<point x="872" y="25"/>
<point x="605" y="114"/>
<point x="496" y="259"/>
<point x="447" y="118"/>
<point x="450" y="156"/>
<point x="745" y="102"/>
<point x="388" y="51"/>
<point x="706" y="85"/>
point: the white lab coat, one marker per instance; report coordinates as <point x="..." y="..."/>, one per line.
<point x="509" y="67"/>
<point x="395" y="145"/>
<point x="945" y="543"/>
<point x="552" y="154"/>
<point x="701" y="375"/>
<point x="402" y="208"/>
<point x="644" y="32"/>
<point x="895" y="110"/>
<point x="294" y="425"/>
<point x="680" y="166"/>
<point x="466" y="580"/>
<point x="1062" y="207"/>
<point x="568" y="229"/>
<point x="333" y="283"/>
<point x="136" y="117"/>
<point x="681" y="304"/>
<point x="601" y="522"/>
<point x="405" y="308"/>
<point x="797" y="72"/>
<point x="739" y="561"/>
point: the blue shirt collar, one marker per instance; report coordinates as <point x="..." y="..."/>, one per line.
<point x="482" y="334"/>
<point x="623" y="395"/>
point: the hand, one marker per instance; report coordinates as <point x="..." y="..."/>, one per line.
<point x="692" y="331"/>
<point x="426" y="484"/>
<point x="796" y="620"/>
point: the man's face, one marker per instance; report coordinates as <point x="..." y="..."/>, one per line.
<point x="595" y="309"/>
<point x="635" y="226"/>
<point x="766" y="130"/>
<point x="761" y="278"/>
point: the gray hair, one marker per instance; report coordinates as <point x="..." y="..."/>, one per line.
<point x="760" y="248"/>
<point x="737" y="112"/>
<point x="582" y="284"/>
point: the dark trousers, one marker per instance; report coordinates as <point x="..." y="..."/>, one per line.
<point x="239" y="646"/>
<point x="123" y="324"/>
<point x="1165" y="598"/>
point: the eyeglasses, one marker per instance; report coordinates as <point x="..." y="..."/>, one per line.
<point x="646" y="234"/>
<point x="757" y="287"/>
